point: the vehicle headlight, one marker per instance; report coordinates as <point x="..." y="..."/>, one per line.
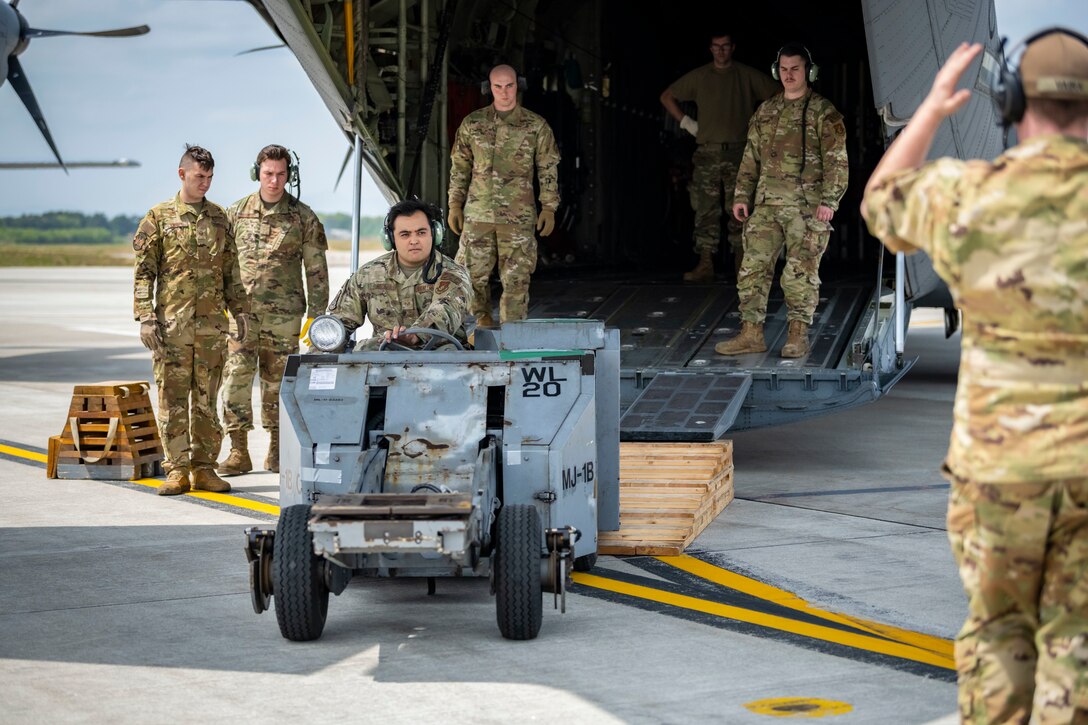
<point x="327" y="333"/>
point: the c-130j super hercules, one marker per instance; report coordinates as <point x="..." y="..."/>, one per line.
<point x="459" y="463"/>
<point x="401" y="76"/>
<point x="15" y="36"/>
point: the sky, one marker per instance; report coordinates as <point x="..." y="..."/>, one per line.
<point x="143" y="98"/>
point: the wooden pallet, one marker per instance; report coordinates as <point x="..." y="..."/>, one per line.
<point x="669" y="493"/>
<point x="110" y="434"/>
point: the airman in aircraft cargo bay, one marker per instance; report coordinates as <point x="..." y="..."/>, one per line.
<point x="1010" y="237"/>
<point x="186" y="273"/>
<point x="491" y="205"/>
<point x="280" y="241"/>
<point x="415" y="285"/>
<point x="726" y="92"/>
<point x="792" y="177"/>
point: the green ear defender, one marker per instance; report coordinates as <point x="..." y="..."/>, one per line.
<point x="292" y="172"/>
<point x="438" y="230"/>
<point x="813" y="69"/>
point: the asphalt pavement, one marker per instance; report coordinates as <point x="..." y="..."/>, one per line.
<point x="825" y="589"/>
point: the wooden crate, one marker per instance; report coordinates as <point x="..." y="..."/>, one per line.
<point x="110" y="434"/>
<point x="669" y="493"/>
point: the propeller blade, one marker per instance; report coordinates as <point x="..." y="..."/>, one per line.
<point x="18" y="80"/>
<point x="118" y="33"/>
<point x="257" y="50"/>
<point x="343" y="166"/>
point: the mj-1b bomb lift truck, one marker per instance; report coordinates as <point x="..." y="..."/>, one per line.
<point x="499" y="462"/>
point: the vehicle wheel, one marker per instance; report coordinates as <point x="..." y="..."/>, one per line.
<point x="299" y="592"/>
<point x="518" y="600"/>
<point x="585" y="563"/>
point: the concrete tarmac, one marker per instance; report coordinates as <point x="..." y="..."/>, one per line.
<point x="826" y="588"/>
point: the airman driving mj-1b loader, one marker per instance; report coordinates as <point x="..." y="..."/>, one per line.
<point x="501" y="461"/>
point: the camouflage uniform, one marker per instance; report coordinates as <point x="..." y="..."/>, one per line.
<point x="1011" y="239"/>
<point x="725" y="98"/>
<point x="782" y="191"/>
<point x="274" y="245"/>
<point x="491" y="177"/>
<point x="186" y="273"/>
<point x="382" y="291"/>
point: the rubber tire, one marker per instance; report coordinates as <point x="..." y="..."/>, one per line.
<point x="300" y="596"/>
<point x="585" y="563"/>
<point x="519" y="605"/>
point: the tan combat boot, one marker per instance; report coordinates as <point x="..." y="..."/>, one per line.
<point x="750" y="339"/>
<point x="177" y="483"/>
<point x="704" y="270"/>
<point x="272" y="460"/>
<point x="238" y="461"/>
<point x="797" y="341"/>
<point x="485" y="320"/>
<point x="204" y="479"/>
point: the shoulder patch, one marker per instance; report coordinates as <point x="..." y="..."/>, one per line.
<point x="838" y="128"/>
<point x="140" y="241"/>
<point x="443" y="285"/>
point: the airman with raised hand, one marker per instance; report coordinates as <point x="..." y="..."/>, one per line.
<point x="1010" y="237"/>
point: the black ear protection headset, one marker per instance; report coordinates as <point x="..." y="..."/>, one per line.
<point x="438" y="233"/>
<point x="292" y="170"/>
<point x="485" y="84"/>
<point x="813" y="69"/>
<point x="1008" y="89"/>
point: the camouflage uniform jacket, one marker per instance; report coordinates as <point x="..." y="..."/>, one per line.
<point x="1011" y="239"/>
<point x="491" y="166"/>
<point x="186" y="270"/>
<point x="381" y="291"/>
<point x="274" y="245"/>
<point x="772" y="171"/>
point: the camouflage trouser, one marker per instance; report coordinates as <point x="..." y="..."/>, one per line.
<point x="805" y="239"/>
<point x="1022" y="551"/>
<point x="513" y="246"/>
<point x="189" y="374"/>
<point x="712" y="183"/>
<point x="266" y="348"/>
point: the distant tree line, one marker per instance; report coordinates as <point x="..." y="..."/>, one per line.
<point x="73" y="227"/>
<point x="67" y="227"/>
<point x="369" y="226"/>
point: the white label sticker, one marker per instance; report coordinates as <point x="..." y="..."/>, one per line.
<point x="323" y="379"/>
<point x="513" y="457"/>
<point x="320" y="475"/>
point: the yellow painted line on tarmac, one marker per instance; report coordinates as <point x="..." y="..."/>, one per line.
<point x="769" y="593"/>
<point x="39" y="457"/>
<point x="914" y="646"/>
<point x="223" y="498"/>
<point x="770" y="621"/>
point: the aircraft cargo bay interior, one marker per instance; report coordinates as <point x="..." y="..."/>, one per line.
<point x="623" y="238"/>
